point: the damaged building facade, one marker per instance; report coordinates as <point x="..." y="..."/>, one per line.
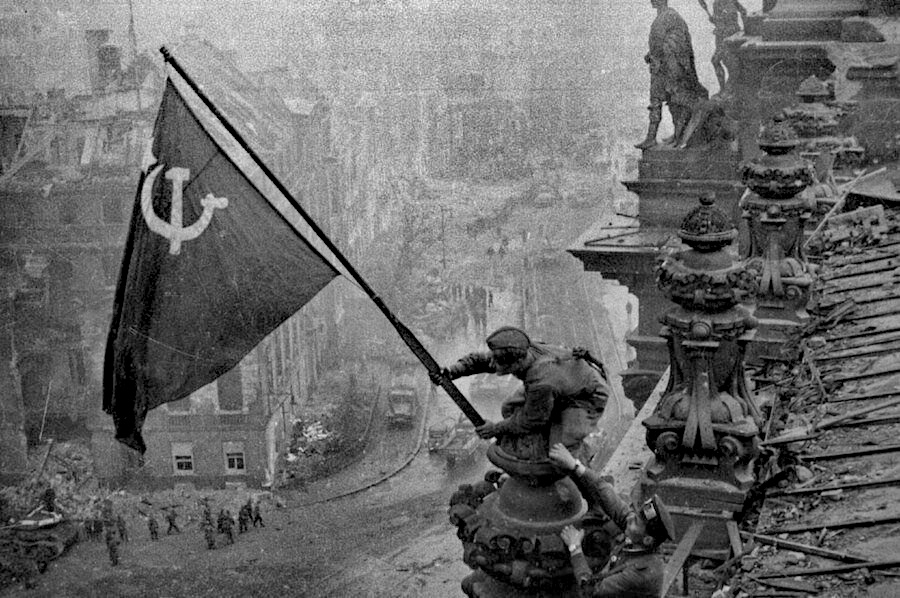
<point x="70" y="164"/>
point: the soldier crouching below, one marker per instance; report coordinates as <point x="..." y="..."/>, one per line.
<point x="635" y="569"/>
<point x="564" y="393"/>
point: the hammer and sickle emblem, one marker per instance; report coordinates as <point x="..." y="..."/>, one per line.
<point x="173" y="230"/>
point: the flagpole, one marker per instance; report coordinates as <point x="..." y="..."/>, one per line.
<point x="405" y="333"/>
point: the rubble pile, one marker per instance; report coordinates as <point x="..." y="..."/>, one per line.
<point x="330" y="432"/>
<point x="67" y="468"/>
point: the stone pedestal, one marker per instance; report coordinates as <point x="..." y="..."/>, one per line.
<point x="776" y="212"/>
<point x="510" y="534"/>
<point x="629" y="255"/>
<point x="704" y="433"/>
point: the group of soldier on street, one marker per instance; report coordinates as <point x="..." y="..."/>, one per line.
<point x="247" y="514"/>
<point x="114" y="529"/>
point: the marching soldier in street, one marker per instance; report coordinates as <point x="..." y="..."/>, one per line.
<point x="227" y="525"/>
<point x="257" y="516"/>
<point x="244" y="515"/>
<point x="122" y="528"/>
<point x="564" y="391"/>
<point x="635" y="569"/>
<point x="209" y="534"/>
<point x="111" y="535"/>
<point x="207" y="513"/>
<point x="153" y="526"/>
<point x="172" y="518"/>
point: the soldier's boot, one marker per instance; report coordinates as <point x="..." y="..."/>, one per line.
<point x="652" y="128"/>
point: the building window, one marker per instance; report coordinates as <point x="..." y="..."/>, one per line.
<point x="234" y="457"/>
<point x="183" y="458"/>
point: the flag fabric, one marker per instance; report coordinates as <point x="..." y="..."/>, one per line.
<point x="210" y="268"/>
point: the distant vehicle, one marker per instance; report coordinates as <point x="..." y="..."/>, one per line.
<point x="439" y="433"/>
<point x="457" y="442"/>
<point x="402" y="406"/>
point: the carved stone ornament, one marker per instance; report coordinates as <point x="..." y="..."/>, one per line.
<point x="776" y="216"/>
<point x="510" y="530"/>
<point x="778" y="174"/>
<point x="707" y="423"/>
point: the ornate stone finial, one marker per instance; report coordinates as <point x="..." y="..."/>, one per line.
<point x="776" y="214"/>
<point x="706" y="228"/>
<point x="778" y="138"/>
<point x="705" y="277"/>
<point x="813" y="89"/>
<point x="778" y="174"/>
<point x="706" y="423"/>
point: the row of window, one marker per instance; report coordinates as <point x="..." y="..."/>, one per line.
<point x="183" y="462"/>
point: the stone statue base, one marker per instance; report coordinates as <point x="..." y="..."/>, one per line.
<point x="689" y="499"/>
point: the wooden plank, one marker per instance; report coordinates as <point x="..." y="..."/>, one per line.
<point x="682" y="552"/>
<point x="844" y="557"/>
<point x="867" y="522"/>
<point x="734" y="536"/>
<point x="847" y="486"/>
<point x="862" y="452"/>
<point x="871" y="565"/>
<point x="863" y="351"/>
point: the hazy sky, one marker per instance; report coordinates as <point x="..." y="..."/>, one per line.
<point x="258" y="33"/>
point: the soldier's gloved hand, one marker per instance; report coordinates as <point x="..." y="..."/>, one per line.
<point x="486" y="430"/>
<point x="436" y="377"/>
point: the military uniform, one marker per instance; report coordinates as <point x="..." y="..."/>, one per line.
<point x="563" y="395"/>
<point x="122" y="527"/>
<point x="244" y="515"/>
<point x="633" y="572"/>
<point x="171" y="517"/>
<point x="153" y="526"/>
<point x="112" y="541"/>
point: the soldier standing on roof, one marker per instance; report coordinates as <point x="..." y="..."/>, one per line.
<point x="564" y="391"/>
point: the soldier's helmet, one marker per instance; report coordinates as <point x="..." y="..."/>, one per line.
<point x="659" y="522"/>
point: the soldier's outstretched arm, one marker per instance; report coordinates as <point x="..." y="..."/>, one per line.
<point x="473" y="363"/>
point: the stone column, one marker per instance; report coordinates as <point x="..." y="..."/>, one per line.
<point x="705" y="431"/>
<point x="776" y="213"/>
